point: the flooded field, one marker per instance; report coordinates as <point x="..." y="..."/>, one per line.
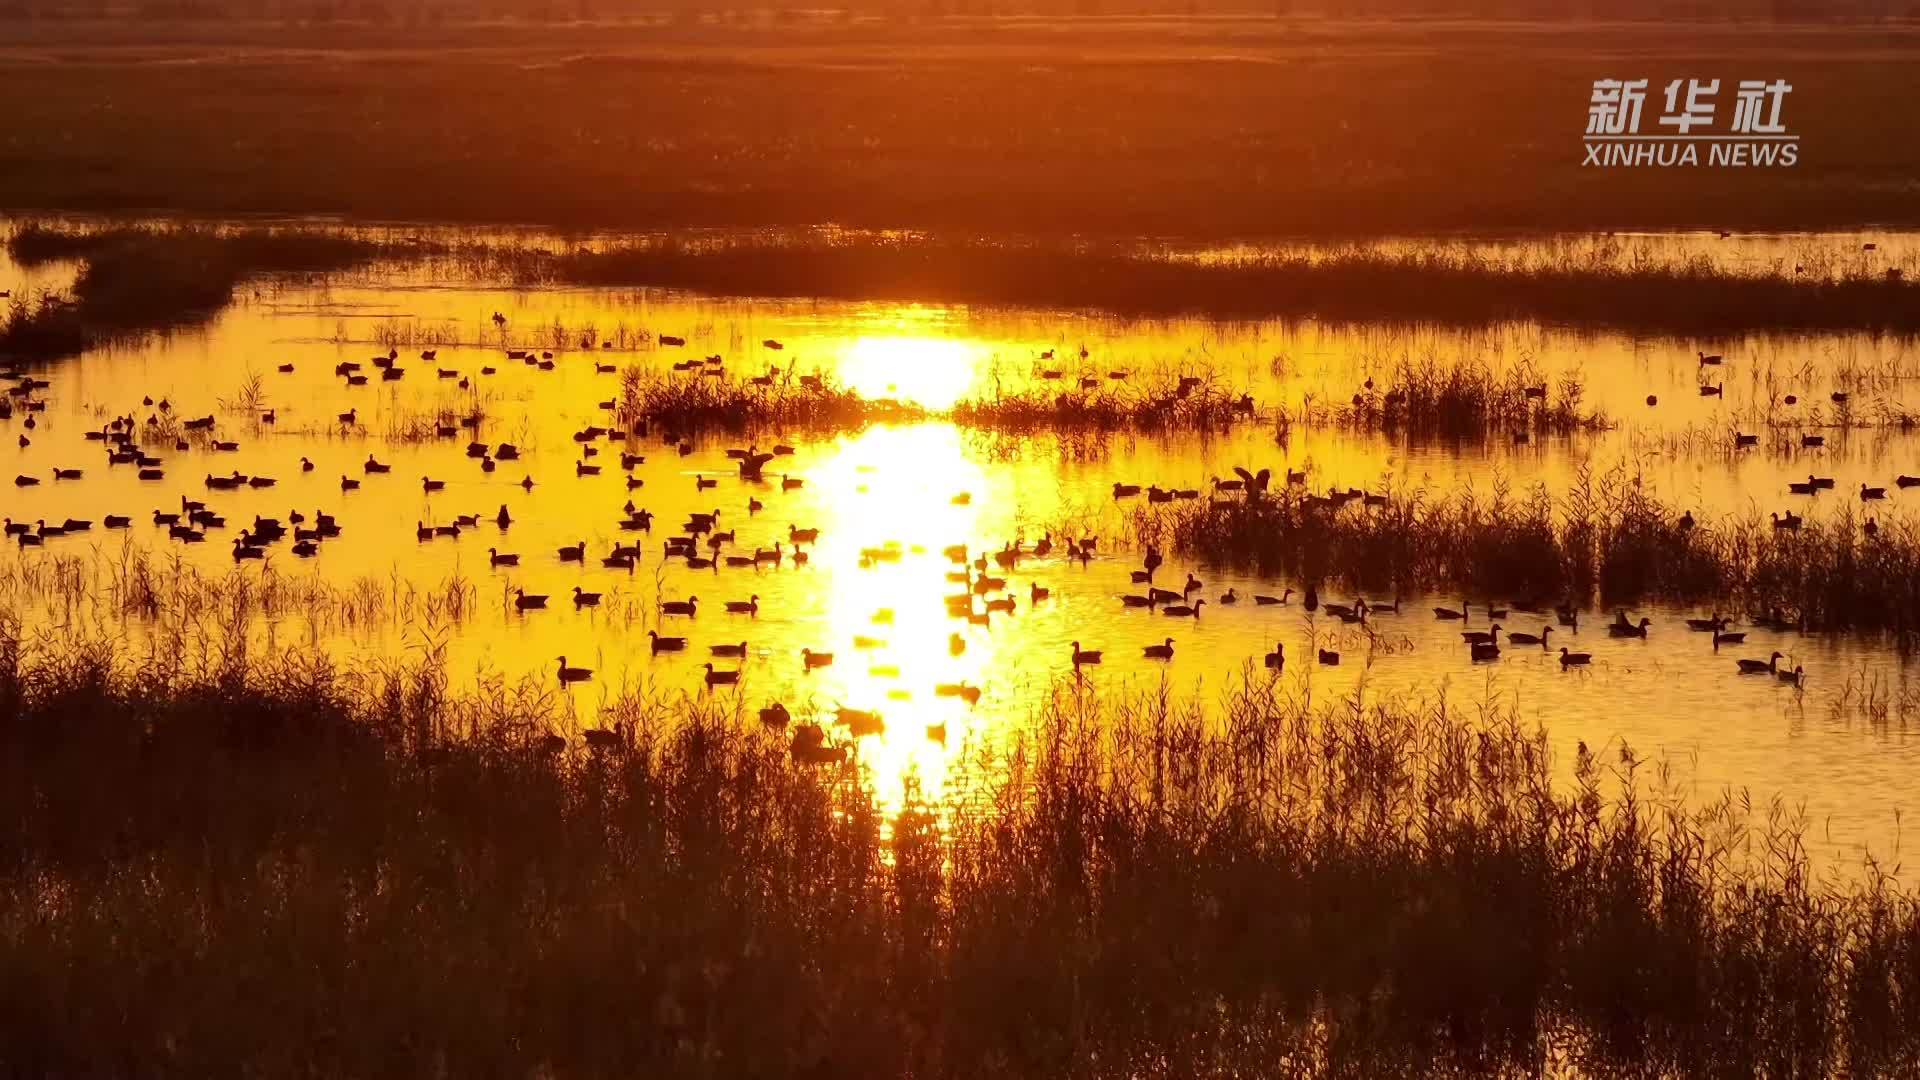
<point x="422" y="564"/>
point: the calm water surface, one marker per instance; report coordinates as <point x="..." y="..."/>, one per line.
<point x="885" y="622"/>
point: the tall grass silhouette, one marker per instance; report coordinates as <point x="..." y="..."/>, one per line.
<point x="282" y="865"/>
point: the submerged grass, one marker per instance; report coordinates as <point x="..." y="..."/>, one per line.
<point x="290" y="867"/>
<point x="1606" y="540"/>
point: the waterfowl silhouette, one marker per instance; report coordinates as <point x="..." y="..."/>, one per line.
<point x="1482" y="637"/>
<point x="1162" y="651"/>
<point x="573" y="674"/>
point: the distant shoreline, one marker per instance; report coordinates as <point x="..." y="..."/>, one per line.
<point x="1202" y="129"/>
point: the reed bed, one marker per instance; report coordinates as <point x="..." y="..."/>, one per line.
<point x="173" y="601"/>
<point x="284" y="866"/>
<point x="686" y="402"/>
<point x="1157" y="405"/>
<point x="1458" y="398"/>
<point x="1604" y="541"/>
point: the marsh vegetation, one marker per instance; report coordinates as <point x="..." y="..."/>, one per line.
<point x="268" y="855"/>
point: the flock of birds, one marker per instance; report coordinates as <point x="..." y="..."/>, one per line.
<point x="1744" y="440"/>
<point x="1482" y="645"/>
<point x="703" y="544"/>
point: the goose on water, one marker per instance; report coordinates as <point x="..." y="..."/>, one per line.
<point x="1482" y="637"/>
<point x="1162" y="651"/>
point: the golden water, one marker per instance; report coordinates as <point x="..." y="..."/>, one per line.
<point x="1669" y="695"/>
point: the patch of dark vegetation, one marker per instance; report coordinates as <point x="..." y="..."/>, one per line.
<point x="279" y="866"/>
<point x="1606" y="541"/>
<point x="1098" y="404"/>
<point x="687" y="402"/>
<point x="139" y="280"/>
<point x="1460" y="400"/>
<point x="1440" y="285"/>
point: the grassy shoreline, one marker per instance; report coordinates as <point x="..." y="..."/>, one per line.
<point x="284" y="866"/>
<point x="135" y="280"/>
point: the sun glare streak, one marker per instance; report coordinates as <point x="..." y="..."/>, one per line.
<point x="893" y="495"/>
<point x="931" y="371"/>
